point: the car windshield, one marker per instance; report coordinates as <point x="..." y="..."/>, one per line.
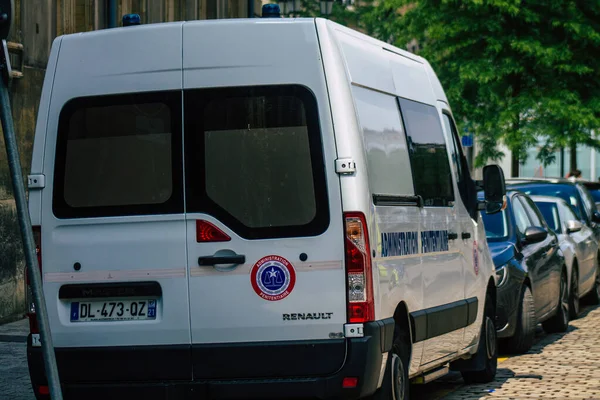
<point x="566" y="192"/>
<point x="550" y="212"/>
<point x="496" y="226"/>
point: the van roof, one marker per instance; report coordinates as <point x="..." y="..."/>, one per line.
<point x="106" y="37"/>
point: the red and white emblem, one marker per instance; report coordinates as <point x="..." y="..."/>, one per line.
<point x="273" y="278"/>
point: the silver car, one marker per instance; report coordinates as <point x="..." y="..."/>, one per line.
<point x="578" y="245"/>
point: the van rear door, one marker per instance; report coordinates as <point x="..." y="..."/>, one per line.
<point x="264" y="221"/>
<point x="113" y="231"/>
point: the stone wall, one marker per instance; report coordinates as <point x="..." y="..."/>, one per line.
<point x="12" y="266"/>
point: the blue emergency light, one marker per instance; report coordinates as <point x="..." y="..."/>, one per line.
<point x="131" y="19"/>
<point x="271" y="11"/>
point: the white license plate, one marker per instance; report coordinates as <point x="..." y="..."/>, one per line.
<point x="113" y="310"/>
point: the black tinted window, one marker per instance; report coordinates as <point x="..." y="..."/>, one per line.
<point x="254" y="160"/>
<point x="428" y="153"/>
<point x="119" y="155"/>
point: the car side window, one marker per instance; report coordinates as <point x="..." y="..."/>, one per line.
<point x="588" y="203"/>
<point x="567" y="213"/>
<point x="534" y="215"/>
<point x="521" y="220"/>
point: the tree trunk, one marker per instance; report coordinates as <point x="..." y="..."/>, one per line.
<point x="514" y="167"/>
<point x="562" y="162"/>
<point x="573" y="160"/>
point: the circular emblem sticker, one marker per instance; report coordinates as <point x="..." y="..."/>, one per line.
<point x="273" y="278"/>
<point x="475" y="258"/>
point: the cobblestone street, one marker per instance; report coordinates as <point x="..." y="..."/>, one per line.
<point x="559" y="366"/>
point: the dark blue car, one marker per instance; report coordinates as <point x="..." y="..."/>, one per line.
<point x="531" y="275"/>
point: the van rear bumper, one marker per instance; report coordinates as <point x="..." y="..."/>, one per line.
<point x="363" y="361"/>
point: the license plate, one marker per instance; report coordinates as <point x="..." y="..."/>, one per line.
<point x="113" y="310"/>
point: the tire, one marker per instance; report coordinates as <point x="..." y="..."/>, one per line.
<point x="488" y="349"/>
<point x="574" y="294"/>
<point x="559" y="322"/>
<point x="522" y="340"/>
<point x="594" y="296"/>
<point x="395" y="385"/>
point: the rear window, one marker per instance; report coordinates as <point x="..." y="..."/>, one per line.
<point x="119" y="155"/>
<point x="566" y="192"/>
<point x="254" y="160"/>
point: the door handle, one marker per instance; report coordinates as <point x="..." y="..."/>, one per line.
<point x="466" y="235"/>
<point x="452" y="235"/>
<point x="221" y="258"/>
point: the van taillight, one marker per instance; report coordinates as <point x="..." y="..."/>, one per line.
<point x="207" y="232"/>
<point x="358" y="269"/>
<point x="37" y="237"/>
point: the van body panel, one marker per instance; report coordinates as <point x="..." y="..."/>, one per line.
<point x="320" y="283"/>
<point x="37" y="156"/>
<point x="108" y="248"/>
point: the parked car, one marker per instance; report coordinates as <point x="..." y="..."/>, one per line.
<point x="531" y="274"/>
<point x="594" y="189"/>
<point x="578" y="246"/>
<point x="572" y="191"/>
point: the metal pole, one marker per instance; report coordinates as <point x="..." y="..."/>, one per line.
<point x="112" y="13"/>
<point x="593" y="160"/>
<point x="33" y="269"/>
<point x="250" y="8"/>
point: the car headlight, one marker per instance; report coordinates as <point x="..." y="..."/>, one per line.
<point x="501" y="275"/>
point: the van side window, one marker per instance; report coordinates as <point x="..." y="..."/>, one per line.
<point x="254" y="160"/>
<point x="385" y="143"/>
<point x="428" y="153"/>
<point x="119" y="155"/>
<point x="465" y="184"/>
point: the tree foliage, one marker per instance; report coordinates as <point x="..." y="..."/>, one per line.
<point x="520" y="72"/>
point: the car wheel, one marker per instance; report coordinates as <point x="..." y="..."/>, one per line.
<point x="488" y="349"/>
<point x="395" y="385"/>
<point x="574" y="294"/>
<point x="522" y="340"/>
<point x="559" y="322"/>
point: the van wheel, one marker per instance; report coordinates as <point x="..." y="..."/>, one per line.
<point x="559" y="322"/>
<point x="522" y="340"/>
<point x="487" y="349"/>
<point x="574" y="294"/>
<point x="395" y="385"/>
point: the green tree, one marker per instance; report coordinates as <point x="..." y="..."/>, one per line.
<point x="517" y="71"/>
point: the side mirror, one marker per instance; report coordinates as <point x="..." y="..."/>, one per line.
<point x="494" y="189"/>
<point x="574" y="226"/>
<point x="596" y="217"/>
<point x="535" y="234"/>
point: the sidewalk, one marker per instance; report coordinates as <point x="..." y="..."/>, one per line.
<point x="14" y="375"/>
<point x="15" y="331"/>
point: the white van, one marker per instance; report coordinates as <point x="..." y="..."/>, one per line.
<point x="253" y="209"/>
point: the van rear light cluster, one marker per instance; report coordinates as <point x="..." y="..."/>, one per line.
<point x="207" y="232"/>
<point x="358" y="269"/>
<point x="37" y="237"/>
